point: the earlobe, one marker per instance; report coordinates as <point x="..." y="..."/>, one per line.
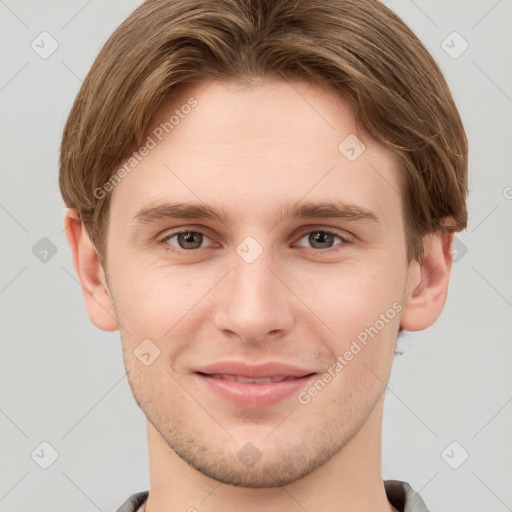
<point x="90" y="274"/>
<point x="427" y="286"/>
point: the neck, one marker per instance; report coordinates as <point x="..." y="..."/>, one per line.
<point x="350" y="481"/>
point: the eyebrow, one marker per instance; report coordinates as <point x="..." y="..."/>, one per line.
<point x="167" y="211"/>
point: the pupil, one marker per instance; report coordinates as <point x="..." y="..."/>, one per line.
<point x="189" y="238"/>
<point x="318" y="236"/>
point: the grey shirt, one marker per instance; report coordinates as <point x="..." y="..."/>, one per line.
<point x="400" y="495"/>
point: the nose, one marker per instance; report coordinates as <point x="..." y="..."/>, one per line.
<point x="254" y="303"/>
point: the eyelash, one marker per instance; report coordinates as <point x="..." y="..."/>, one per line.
<point x="168" y="247"/>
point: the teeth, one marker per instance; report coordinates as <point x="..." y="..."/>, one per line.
<point x="249" y="380"/>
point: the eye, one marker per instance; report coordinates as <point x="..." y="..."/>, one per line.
<point x="323" y="239"/>
<point x="185" y="240"/>
<point x="190" y="240"/>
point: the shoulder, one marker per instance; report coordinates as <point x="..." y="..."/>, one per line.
<point x="403" y="497"/>
<point x="133" y="503"/>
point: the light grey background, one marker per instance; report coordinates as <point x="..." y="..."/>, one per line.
<point x="63" y="381"/>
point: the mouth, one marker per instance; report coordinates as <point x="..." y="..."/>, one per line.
<point x="253" y="386"/>
<point x="250" y="380"/>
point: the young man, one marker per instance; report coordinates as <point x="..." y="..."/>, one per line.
<point x="261" y="196"/>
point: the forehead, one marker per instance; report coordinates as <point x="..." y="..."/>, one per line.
<point x="273" y="142"/>
<point x="245" y="113"/>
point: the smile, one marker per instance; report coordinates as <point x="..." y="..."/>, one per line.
<point x="250" y="380"/>
<point x="246" y="385"/>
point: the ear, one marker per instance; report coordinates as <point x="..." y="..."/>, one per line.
<point x="427" y="285"/>
<point x="90" y="273"/>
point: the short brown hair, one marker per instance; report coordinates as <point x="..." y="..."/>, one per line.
<point x="360" y="47"/>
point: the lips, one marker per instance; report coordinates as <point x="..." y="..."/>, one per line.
<point x="241" y="378"/>
<point x="258" y="371"/>
<point x="253" y="386"/>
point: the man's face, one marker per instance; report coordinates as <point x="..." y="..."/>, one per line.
<point x="258" y="288"/>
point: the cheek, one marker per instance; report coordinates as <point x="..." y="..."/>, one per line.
<point x="361" y="304"/>
<point x="158" y="301"/>
<point x="354" y="295"/>
<point x="365" y="320"/>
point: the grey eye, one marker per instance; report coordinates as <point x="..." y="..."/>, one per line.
<point x="320" y="239"/>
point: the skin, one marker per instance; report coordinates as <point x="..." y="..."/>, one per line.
<point x="251" y="151"/>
